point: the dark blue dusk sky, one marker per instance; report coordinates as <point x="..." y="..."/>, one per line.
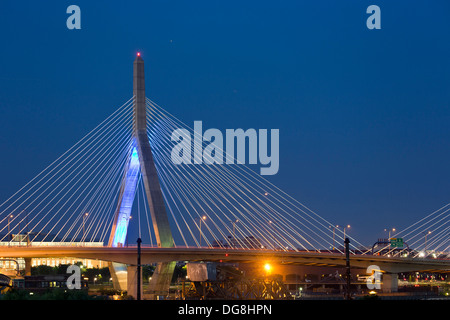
<point x="364" y="115"/>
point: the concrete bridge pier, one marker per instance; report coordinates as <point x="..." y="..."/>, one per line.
<point x="125" y="278"/>
<point x="160" y="283"/>
<point x="119" y="275"/>
<point x="390" y="282"/>
<point x="27" y="266"/>
<point x="132" y="286"/>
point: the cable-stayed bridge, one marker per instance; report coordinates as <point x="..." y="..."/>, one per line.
<point x="120" y="181"/>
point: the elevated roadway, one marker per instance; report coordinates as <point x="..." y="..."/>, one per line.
<point x="149" y="255"/>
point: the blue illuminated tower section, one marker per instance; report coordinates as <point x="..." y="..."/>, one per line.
<point x="128" y="191"/>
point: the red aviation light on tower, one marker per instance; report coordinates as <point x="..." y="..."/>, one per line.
<point x="138" y="54"/>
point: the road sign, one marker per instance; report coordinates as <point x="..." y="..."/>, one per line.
<point x="397" y="242"/>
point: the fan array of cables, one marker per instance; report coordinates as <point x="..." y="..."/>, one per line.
<point x="73" y="200"/>
<point x="428" y="237"/>
<point x="230" y="205"/>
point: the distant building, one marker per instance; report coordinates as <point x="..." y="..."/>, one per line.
<point x="45" y="282"/>
<point x="9" y="267"/>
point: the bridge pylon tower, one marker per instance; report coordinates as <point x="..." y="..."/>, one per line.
<point x="141" y="161"/>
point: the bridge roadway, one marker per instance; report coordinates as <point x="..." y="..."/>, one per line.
<point x="128" y="255"/>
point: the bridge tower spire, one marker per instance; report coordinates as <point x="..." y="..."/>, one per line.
<point x="141" y="161"/>
<point x="150" y="178"/>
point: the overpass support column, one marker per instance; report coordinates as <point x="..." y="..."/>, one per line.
<point x="162" y="276"/>
<point x="132" y="281"/>
<point x="27" y="266"/>
<point x="119" y="275"/>
<point x="390" y="282"/>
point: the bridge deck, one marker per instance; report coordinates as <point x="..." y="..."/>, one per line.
<point x="128" y="255"/>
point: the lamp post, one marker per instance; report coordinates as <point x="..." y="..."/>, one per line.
<point x="334" y="230"/>
<point x="346" y="227"/>
<point x="200" y="228"/>
<point x="9" y="217"/>
<point x="126" y="237"/>
<point x="84" y="221"/>
<point x="273" y="234"/>
<point x="234" y="230"/>
<point x="426" y="235"/>
<point x="138" y="294"/>
<point x="389" y="232"/>
<point x="347" y="267"/>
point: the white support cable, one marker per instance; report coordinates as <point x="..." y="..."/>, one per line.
<point x="415" y="235"/>
<point x="99" y="131"/>
<point x="278" y="226"/>
<point x="144" y="198"/>
<point x="183" y="195"/>
<point x="199" y="190"/>
<point x="194" y="198"/>
<point x="90" y="148"/>
<point x="194" y="185"/>
<point x="163" y="163"/>
<point x="438" y="239"/>
<point x="274" y="188"/>
<point x="118" y="164"/>
<point x="165" y="183"/>
<point x="116" y="192"/>
<point x="167" y="198"/>
<point x="79" y="143"/>
<point x="424" y="218"/>
<point x="94" y="180"/>
<point x="168" y="181"/>
<point x="109" y="149"/>
<point x="426" y="226"/>
<point x="107" y="201"/>
<point x="63" y="158"/>
<point x="147" y="215"/>
<point x="115" y="172"/>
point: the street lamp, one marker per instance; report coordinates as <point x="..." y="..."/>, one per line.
<point x="389" y="232"/>
<point x="347" y="227"/>
<point x="334" y="230"/>
<point x="268" y="268"/>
